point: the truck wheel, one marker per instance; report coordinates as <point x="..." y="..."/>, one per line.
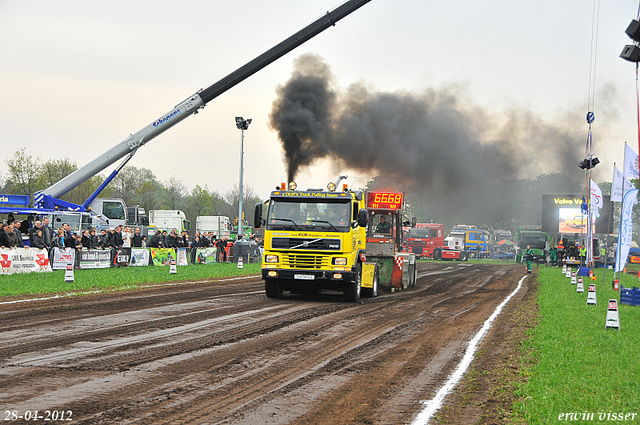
<point x="463" y="256"/>
<point x="437" y="254"/>
<point x="352" y="289"/>
<point x="273" y="288"/>
<point x="414" y="274"/>
<point x="372" y="292"/>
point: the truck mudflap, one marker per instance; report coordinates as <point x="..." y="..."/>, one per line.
<point x="368" y="272"/>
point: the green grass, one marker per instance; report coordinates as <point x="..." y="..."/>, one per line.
<point x="114" y="278"/>
<point x="579" y="366"/>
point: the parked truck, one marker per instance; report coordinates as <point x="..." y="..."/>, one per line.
<point x="218" y="224"/>
<point x="168" y="220"/>
<point x="464" y="242"/>
<point x="318" y="240"/>
<point x="535" y="238"/>
<point x="424" y="238"/>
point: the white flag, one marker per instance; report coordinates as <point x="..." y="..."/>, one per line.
<point x="630" y="162"/>
<point x="596" y="199"/>
<point x="596" y="195"/>
<point x="626" y="229"/>
<point x="616" y="185"/>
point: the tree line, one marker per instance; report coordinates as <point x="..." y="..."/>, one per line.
<point x="503" y="204"/>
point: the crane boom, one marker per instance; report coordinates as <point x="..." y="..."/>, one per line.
<point x="190" y="106"/>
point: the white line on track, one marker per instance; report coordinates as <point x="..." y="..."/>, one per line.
<point x="433" y="405"/>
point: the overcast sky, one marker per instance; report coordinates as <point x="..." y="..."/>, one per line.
<point x="77" y="77"/>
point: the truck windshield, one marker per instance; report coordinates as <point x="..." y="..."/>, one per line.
<point x="113" y="210"/>
<point x="317" y="216"/>
<point x="418" y="233"/>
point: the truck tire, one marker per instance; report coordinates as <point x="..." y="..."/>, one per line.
<point x="372" y="292"/>
<point x="437" y="254"/>
<point x="414" y="274"/>
<point x="273" y="288"/>
<point x="463" y="256"/>
<point x="352" y="289"/>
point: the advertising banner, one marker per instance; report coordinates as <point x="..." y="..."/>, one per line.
<point x="139" y="257"/>
<point x="120" y="257"/>
<point x="23" y="260"/>
<point x="205" y="256"/>
<point x="182" y="257"/>
<point x="162" y="256"/>
<point x="625" y="233"/>
<point x="94" y="258"/>
<point x="62" y="257"/>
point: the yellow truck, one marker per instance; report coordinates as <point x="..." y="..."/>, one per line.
<point x="315" y="240"/>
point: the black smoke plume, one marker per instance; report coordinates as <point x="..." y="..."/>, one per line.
<point x="435" y="142"/>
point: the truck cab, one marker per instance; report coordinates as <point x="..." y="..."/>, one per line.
<point x="424" y="238"/>
<point x="168" y="220"/>
<point x="313" y="240"/>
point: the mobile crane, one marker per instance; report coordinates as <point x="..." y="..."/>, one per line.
<point x="47" y="201"/>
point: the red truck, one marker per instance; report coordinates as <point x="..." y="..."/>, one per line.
<point x="424" y="238"/>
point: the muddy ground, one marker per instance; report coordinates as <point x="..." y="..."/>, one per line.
<point x="223" y="353"/>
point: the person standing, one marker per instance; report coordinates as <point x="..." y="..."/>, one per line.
<point x="117" y="237"/>
<point x="529" y="257"/>
<point x="155" y="241"/>
<point x="94" y="241"/>
<point x="67" y="229"/>
<point x="553" y="256"/>
<point x="222" y="251"/>
<point x="136" y="240"/>
<point x="38" y="240"/>
<point x="85" y="241"/>
<point x="47" y="232"/>
<point x="4" y="241"/>
<point x="33" y="231"/>
<point x="15" y="241"/>
<point x="126" y="237"/>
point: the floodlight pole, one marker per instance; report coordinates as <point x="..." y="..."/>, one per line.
<point x="243" y="125"/>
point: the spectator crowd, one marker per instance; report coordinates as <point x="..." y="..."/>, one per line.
<point x="43" y="235"/>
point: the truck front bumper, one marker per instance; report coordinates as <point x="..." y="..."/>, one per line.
<point x="308" y="276"/>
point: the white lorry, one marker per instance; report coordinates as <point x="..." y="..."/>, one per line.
<point x="218" y="224"/>
<point x="168" y="220"/>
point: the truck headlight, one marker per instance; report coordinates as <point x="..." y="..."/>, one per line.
<point x="340" y="261"/>
<point x="271" y="259"/>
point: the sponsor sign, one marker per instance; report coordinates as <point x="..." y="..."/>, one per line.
<point x="120" y="257"/>
<point x="61" y="257"/>
<point x="23" y="260"/>
<point x="181" y="254"/>
<point x="162" y="256"/>
<point x="94" y="258"/>
<point x="139" y="257"/>
<point x="205" y="255"/>
<point x="21" y="200"/>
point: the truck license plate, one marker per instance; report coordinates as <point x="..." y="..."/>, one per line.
<point x="304" y="276"/>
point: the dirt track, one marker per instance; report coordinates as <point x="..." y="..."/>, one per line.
<point x="222" y="352"/>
